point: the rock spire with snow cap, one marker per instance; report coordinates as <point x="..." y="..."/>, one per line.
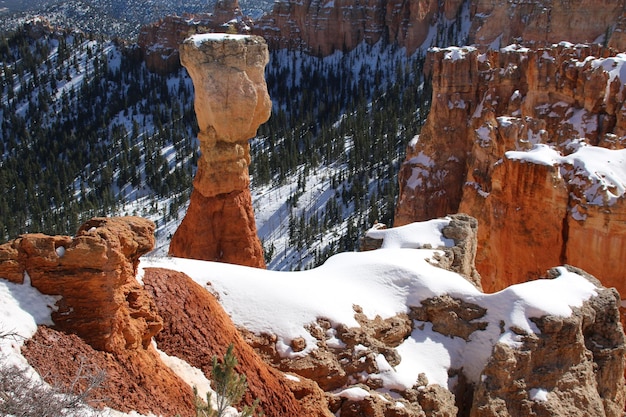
<point x="231" y="102"/>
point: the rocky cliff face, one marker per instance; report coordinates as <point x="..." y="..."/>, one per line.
<point x="559" y="195"/>
<point x="231" y="102"/>
<point x="502" y="23"/>
<point x="160" y="41"/>
<point x="322" y="27"/>
<point x="102" y="303"/>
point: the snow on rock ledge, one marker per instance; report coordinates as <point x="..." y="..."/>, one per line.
<point x="391" y="323"/>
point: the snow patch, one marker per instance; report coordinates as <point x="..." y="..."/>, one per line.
<point x="538" y="394"/>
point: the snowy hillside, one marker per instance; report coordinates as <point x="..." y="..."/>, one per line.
<point x="121" y="18"/>
<point x="382" y="283"/>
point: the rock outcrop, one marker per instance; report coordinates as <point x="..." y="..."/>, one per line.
<point x="100" y="261"/>
<point x="196" y="328"/>
<point x="511" y="353"/>
<point x="530" y="142"/>
<point x="516" y="381"/>
<point x="159" y="42"/>
<point x="231" y="102"/>
<point x="102" y="303"/>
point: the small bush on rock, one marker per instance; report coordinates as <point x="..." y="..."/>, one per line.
<point x="229" y="386"/>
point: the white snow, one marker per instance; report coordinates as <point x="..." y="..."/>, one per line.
<point x="538" y="394"/>
<point x="421" y="169"/>
<point x="354" y="394"/>
<point x="483" y="135"/>
<point x="199" y="39"/>
<point x="383" y="283"/>
<point x="413" y="235"/>
<point x="455" y="53"/>
<point x="599" y="172"/>
<point x="541" y="154"/>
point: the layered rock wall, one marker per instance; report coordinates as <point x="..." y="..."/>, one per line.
<point x="501" y="23"/>
<point x="231" y="102"/>
<point x="159" y="42"/>
<point x="322" y="27"/>
<point x="558" y="197"/>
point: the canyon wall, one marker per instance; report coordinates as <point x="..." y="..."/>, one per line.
<point x="322" y="27"/>
<point x="531" y="143"/>
<point x="504" y="22"/>
<point x="159" y="42"/>
<point x="231" y="102"/>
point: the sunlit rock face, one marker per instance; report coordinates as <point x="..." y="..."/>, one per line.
<point x="501" y="22"/>
<point x="94" y="273"/>
<point x="322" y="27"/>
<point x="531" y="143"/>
<point x="231" y="102"/>
<point x="103" y="318"/>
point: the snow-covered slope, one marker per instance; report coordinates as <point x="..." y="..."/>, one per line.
<point x="383" y="283"/>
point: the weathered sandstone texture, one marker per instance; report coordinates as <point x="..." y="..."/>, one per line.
<point x="196" y="328"/>
<point x="102" y="303"/>
<point x="94" y="272"/>
<point x="322" y="27"/>
<point x="159" y="42"/>
<point x="575" y="361"/>
<point x="559" y="197"/>
<point x="231" y="102"/>
<point x="503" y="22"/>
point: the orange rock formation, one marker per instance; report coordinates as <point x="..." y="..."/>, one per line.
<point x="103" y="304"/>
<point x="196" y="328"/>
<point x="544" y="21"/>
<point x="231" y="102"/>
<point x="531" y="215"/>
<point x="322" y="27"/>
